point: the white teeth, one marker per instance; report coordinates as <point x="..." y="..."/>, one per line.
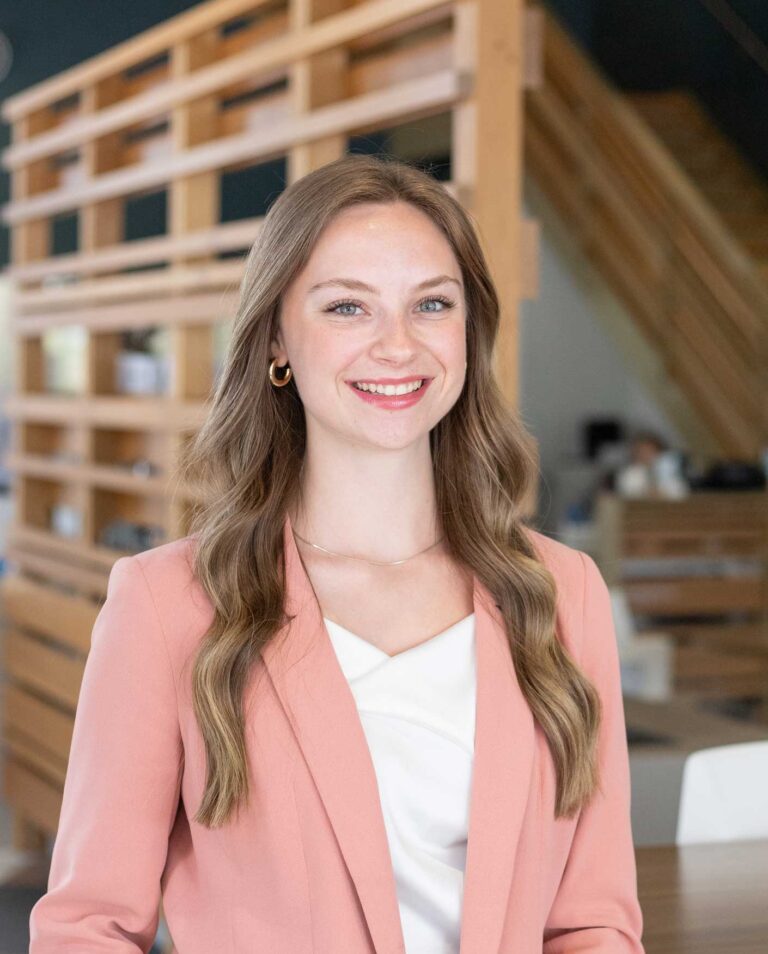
<point x="389" y="388"/>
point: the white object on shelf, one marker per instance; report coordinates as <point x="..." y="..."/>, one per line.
<point x="155" y="148"/>
<point x="73" y="175"/>
<point x="633" y="480"/>
<point x="66" y="520"/>
<point x="140" y="373"/>
<point x="646" y="659"/>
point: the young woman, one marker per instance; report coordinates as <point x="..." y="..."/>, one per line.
<point x="361" y="708"/>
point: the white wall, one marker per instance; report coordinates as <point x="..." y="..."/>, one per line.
<point x="571" y="368"/>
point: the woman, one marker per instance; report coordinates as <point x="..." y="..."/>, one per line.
<point x="361" y="707"/>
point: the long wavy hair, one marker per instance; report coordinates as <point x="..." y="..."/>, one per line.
<point x="246" y="460"/>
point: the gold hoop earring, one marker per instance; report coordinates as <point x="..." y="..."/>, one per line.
<point x="279" y="382"/>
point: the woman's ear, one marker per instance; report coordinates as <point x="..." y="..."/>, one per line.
<point x="277" y="349"/>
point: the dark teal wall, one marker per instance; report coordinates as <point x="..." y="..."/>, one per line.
<point x="49" y="36"/>
<point x="662" y="44"/>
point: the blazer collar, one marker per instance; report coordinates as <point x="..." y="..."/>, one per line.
<point x="319" y="703"/>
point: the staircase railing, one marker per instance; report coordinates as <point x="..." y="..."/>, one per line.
<point x="697" y="296"/>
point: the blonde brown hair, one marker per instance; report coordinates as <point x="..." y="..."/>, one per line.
<point x="247" y="457"/>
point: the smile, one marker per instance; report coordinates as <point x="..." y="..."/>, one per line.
<point x="390" y="395"/>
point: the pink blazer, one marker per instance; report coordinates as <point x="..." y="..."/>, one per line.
<point x="305" y="866"/>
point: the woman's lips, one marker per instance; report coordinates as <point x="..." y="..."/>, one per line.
<point x="393" y="402"/>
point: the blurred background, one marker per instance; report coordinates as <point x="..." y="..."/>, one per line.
<point x="627" y="147"/>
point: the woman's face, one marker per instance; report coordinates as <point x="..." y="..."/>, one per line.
<point x="381" y="300"/>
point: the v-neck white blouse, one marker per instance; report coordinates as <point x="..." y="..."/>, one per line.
<point x="417" y="709"/>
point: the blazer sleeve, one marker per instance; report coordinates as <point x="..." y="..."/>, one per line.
<point x="596" y="908"/>
<point x="121" y="790"/>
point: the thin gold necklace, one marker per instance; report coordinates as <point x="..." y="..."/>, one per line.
<point x="361" y="559"/>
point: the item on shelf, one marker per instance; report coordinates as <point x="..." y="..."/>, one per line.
<point x="127" y="535"/>
<point x="66" y="457"/>
<point x="598" y="432"/>
<point x="54" y="281"/>
<point x="733" y="475"/>
<point x="66" y="520"/>
<point x="646" y="659"/>
<point x="140" y="373"/>
<point x="142" y="467"/>
<point x="667" y="471"/>
<point x="64" y="355"/>
<point x="652" y="470"/>
<point x="72" y="174"/>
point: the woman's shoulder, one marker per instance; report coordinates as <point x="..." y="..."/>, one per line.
<point x="569" y="567"/>
<point x="566" y="563"/>
<point x="173" y="557"/>
<point x="182" y="605"/>
<point x="168" y="566"/>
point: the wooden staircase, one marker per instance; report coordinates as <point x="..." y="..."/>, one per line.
<point x="677" y="224"/>
<point x="734" y="189"/>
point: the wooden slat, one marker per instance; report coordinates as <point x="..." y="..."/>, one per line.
<point x="161" y="414"/>
<point x="47" y="542"/>
<point x="265" y="62"/>
<point x="224" y="237"/>
<point x="43" y="668"/>
<point x="170" y="309"/>
<point x="697" y="595"/>
<point x="411" y="99"/>
<point x="32" y="796"/>
<point x="48" y="612"/>
<point x="533" y="48"/>
<point x="88" y="582"/>
<point x="100" y="475"/>
<point x="39" y="731"/>
<point x="124" y="55"/>
<point x="713" y="674"/>
<point x="151" y="284"/>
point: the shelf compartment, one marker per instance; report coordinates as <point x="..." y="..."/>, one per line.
<point x="126" y="521"/>
<point x="136" y="452"/>
<point x="52" y="443"/>
<point x="52" y="505"/>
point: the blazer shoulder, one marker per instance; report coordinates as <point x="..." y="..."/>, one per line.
<point x="171" y="558"/>
<point x="183" y="607"/>
<point x="565" y="562"/>
<point x="568" y="566"/>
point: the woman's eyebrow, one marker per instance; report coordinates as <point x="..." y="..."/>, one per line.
<point x="355" y="284"/>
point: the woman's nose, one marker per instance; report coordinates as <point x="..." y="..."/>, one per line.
<point x="395" y="334"/>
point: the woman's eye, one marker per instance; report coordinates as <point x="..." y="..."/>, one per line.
<point x="353" y="304"/>
<point x="440" y="300"/>
<point x="343" y="304"/>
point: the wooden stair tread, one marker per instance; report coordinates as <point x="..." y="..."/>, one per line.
<point x="725" y="178"/>
<point x="656" y="232"/>
<point x="706" y="153"/>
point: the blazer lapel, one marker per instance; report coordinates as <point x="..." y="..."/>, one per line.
<point x="502" y="776"/>
<point x="319" y="703"/>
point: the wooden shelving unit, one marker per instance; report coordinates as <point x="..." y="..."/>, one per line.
<point x="697" y="569"/>
<point x="169" y="122"/>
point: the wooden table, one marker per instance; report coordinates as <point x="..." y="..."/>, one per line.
<point x="704" y="899"/>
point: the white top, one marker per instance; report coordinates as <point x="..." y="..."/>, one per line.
<point x="417" y="709"/>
